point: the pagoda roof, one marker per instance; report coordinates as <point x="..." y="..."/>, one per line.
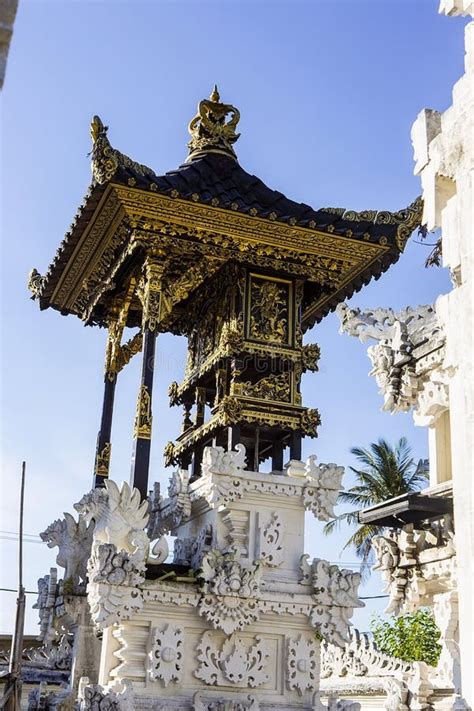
<point x="213" y="177"/>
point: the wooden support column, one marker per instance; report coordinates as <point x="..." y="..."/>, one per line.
<point x="104" y="446"/>
<point x="295" y="446"/>
<point x="153" y="271"/>
<point x="277" y="456"/>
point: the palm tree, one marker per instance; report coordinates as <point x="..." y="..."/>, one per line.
<point x="386" y="472"/>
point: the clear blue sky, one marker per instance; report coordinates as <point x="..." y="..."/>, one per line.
<point x="328" y="92"/>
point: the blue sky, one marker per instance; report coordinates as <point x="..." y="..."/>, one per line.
<point x="328" y="92"/>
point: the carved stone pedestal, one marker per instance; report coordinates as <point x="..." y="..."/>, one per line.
<point x="235" y="623"/>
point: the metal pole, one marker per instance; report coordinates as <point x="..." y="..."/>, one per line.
<point x="12" y="695"/>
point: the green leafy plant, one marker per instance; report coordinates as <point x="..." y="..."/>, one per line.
<point x="412" y="637"/>
<point x="386" y="472"/>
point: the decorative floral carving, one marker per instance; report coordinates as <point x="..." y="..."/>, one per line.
<point x="322" y="490"/>
<point x="335" y="594"/>
<point x="251" y="704"/>
<point x="94" y="697"/>
<point x="112" y="591"/>
<point x="407" y="375"/>
<point x="310" y="420"/>
<point x="310" y="355"/>
<point x="230" y="591"/>
<point x="216" y="460"/>
<point x="268" y="319"/>
<point x="166" y="654"/>
<point x="274" y="387"/>
<point x="271" y="539"/>
<point x="302" y="663"/>
<point x="74" y="540"/>
<point x="230" y="410"/>
<point x="232" y="662"/>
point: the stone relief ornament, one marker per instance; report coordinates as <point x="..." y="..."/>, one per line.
<point x="230" y="591"/>
<point x="45" y="604"/>
<point x="74" y="540"/>
<point x="409" y="374"/>
<point x="335" y="593"/>
<point x="216" y="460"/>
<point x="235" y="661"/>
<point x="112" y="589"/>
<point x="94" y="697"/>
<point x="270" y="542"/>
<point x="302" y="658"/>
<point x="166" y="654"/>
<point x="411" y="560"/>
<point x="120" y="519"/>
<point x="322" y="490"/>
<point x="199" y="704"/>
<point x="359" y="657"/>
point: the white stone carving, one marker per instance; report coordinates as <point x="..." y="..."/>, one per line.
<point x="166" y="654"/>
<point x="237" y="523"/>
<point x="94" y="697"/>
<point x="397" y="694"/>
<point x="410" y="373"/>
<point x="230" y="591"/>
<point x="120" y="551"/>
<point x="235" y="661"/>
<point x="411" y="560"/>
<point x="302" y="663"/>
<point x="113" y="592"/>
<point x="250" y="704"/>
<point x="120" y="519"/>
<point x="271" y="551"/>
<point x="322" y="490"/>
<point x="360" y="657"/>
<point x="45" y="604"/>
<point x="74" y="540"/>
<point x="334" y="591"/>
<point x="204" y="542"/>
<point x="217" y="460"/>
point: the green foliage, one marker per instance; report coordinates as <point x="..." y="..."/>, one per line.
<point x="412" y="637"/>
<point x="386" y="472"/>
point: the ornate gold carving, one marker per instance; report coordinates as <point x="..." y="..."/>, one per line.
<point x="35" y="283"/>
<point x="117" y="355"/>
<point x="170" y="455"/>
<point x="209" y="130"/>
<point x="102" y="461"/>
<point x="230" y="411"/>
<point x="310" y="354"/>
<point x="106" y="160"/>
<point x="310" y="420"/>
<point x="274" y="387"/>
<point x="143" y="417"/>
<point x="152" y="294"/>
<point x="269" y="310"/>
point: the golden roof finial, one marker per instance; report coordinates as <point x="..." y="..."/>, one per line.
<point x="210" y="133"/>
<point x="215" y="97"/>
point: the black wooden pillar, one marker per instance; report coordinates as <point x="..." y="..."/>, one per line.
<point x="152" y="273"/>
<point x="295" y="445"/>
<point x="143" y="417"/>
<point x="102" y="455"/>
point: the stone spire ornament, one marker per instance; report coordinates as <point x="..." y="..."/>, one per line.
<point x="209" y="130"/>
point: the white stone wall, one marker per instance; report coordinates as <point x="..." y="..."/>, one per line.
<point x="443" y="144"/>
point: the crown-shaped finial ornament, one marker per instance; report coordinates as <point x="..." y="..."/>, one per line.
<point x="210" y="132"/>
